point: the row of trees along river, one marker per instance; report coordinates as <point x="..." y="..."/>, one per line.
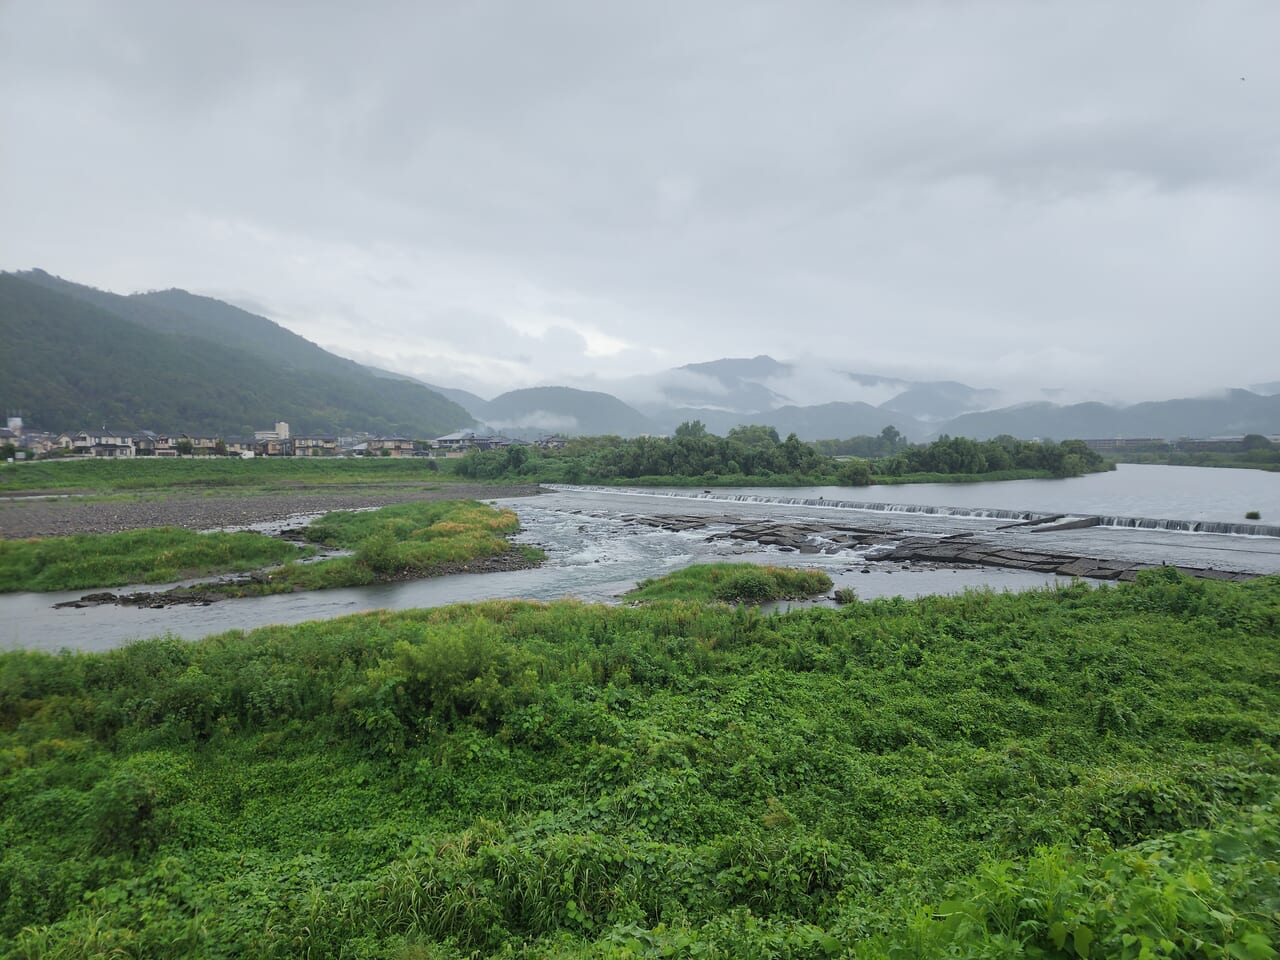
<point x="756" y="455"/>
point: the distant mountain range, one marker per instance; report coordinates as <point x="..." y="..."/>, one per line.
<point x="727" y="393"/>
<point x="75" y="356"/>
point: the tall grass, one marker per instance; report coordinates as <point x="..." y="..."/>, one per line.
<point x="156" y="555"/>
<point x="403" y="541"/>
<point x="733" y="583"/>
<point x="217" y="473"/>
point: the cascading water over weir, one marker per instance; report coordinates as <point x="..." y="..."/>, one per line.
<point x="1029" y="517"/>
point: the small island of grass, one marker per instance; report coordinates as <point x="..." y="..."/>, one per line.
<point x="407" y="541"/>
<point x="733" y="583"/>
<point x="401" y="542"/>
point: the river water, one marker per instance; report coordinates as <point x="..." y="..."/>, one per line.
<point x="597" y="552"/>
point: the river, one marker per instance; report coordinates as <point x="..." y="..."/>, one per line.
<point x="596" y="551"/>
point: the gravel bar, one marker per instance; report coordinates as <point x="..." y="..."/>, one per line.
<point x="65" y="517"/>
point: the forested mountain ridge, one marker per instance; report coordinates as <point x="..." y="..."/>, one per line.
<point x="181" y="313"/>
<point x="77" y="357"/>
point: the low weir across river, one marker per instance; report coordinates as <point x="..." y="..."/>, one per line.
<point x="1248" y="528"/>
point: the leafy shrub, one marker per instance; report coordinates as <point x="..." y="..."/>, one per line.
<point x="748" y="585"/>
<point x="128" y="809"/>
<point x="733" y="583"/>
<point x="855" y="473"/>
<point x="380" y="554"/>
<point x="446" y="674"/>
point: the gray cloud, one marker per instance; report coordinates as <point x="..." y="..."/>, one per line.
<point x="499" y="194"/>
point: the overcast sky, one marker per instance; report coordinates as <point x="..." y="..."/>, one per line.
<point x="1075" y="194"/>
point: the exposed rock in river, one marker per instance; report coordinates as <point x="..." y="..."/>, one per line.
<point x="966" y="549"/>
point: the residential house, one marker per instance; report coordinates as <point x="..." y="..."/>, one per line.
<point x="148" y="443"/>
<point x="29" y="443"/>
<point x="203" y="446"/>
<point x="104" y="443"/>
<point x="273" y="447"/>
<point x="456" y="444"/>
<point x="315" y="446"/>
<point x="390" y="447"/>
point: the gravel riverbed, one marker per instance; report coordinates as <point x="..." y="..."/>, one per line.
<point x="63" y="517"/>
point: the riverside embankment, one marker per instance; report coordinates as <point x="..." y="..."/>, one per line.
<point x="33" y="516"/>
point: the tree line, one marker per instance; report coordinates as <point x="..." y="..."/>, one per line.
<point x="756" y="454"/>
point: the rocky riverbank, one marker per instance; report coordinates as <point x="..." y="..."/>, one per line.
<point x="30" y="517"/>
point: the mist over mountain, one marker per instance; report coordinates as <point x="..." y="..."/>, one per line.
<point x="729" y="384"/>
<point x="934" y="402"/>
<point x="172" y="360"/>
<point x="564" y="410"/>
<point x="761" y="390"/>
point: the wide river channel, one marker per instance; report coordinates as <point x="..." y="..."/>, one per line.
<point x="596" y="550"/>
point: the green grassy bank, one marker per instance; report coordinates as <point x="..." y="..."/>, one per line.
<point x="157" y="555"/>
<point x="216" y="474"/>
<point x="406" y="541"/>
<point x="1081" y="773"/>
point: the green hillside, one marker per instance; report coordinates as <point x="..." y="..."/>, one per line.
<point x="77" y="357"/>
<point x="1231" y="413"/>
<point x="185" y="314"/>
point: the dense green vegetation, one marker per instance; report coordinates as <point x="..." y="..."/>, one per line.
<point x="755" y="456"/>
<point x="733" y="583"/>
<point x="1255" y="452"/>
<point x="406" y="541"/>
<point x="158" y="555"/>
<point x="75" y="357"/>
<point x="1081" y="773"/>
<point x="886" y="444"/>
